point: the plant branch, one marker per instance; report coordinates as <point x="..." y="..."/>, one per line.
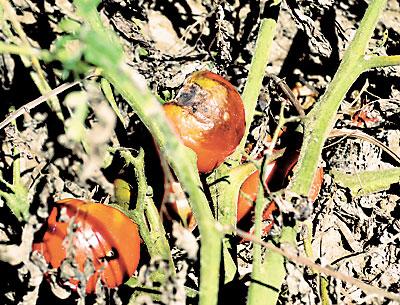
<point x="23" y="51"/>
<point x="103" y="50"/>
<point x="36" y="102"/>
<point x="257" y="274"/>
<point x="321" y="119"/>
<point x="225" y="194"/>
<point x="259" y="63"/>
<point x="376" y="61"/>
<point x="146" y="214"/>
<point x="292" y="256"/>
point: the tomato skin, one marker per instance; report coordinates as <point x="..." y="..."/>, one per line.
<point x="316" y="184"/>
<point x="275" y="172"/>
<point x="249" y="190"/>
<point x="248" y="195"/>
<point x="101" y="233"/>
<point x="208" y="115"/>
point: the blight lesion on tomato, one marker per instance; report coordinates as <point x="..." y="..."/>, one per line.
<point x="208" y="115"/>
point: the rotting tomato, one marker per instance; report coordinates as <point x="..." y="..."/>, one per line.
<point x="177" y="203"/>
<point x="208" y="115"/>
<point x="93" y="232"/>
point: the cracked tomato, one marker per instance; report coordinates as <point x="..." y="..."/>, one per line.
<point x="90" y="234"/>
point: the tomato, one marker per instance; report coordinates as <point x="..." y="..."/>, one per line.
<point x="122" y="191"/>
<point x="248" y="191"/>
<point x="177" y="206"/>
<point x="248" y="195"/>
<point x="275" y="173"/>
<point x="208" y="115"/>
<point x="93" y="232"/>
<point x="316" y="184"/>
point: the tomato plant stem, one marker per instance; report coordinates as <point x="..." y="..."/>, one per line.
<point x="226" y="181"/>
<point x="320" y="121"/>
<point x="22" y="50"/>
<point x="376" y="61"/>
<point x="37" y="75"/>
<point x="103" y="50"/>
<point x="146" y="215"/>
<point x="256" y="274"/>
<point x="257" y="67"/>
<point x="270" y="274"/>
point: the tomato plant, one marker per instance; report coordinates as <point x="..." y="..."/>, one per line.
<point x="208" y="114"/>
<point x="95" y="232"/>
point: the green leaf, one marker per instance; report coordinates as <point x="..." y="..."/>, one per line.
<point x="87" y="6"/>
<point x="69" y="51"/>
<point x="229" y="265"/>
<point x="16" y="200"/>
<point x="226" y="191"/>
<point x="101" y="49"/>
<point x="141" y="51"/>
<point x="108" y="93"/>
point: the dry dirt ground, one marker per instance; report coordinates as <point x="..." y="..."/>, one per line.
<point x="165" y="41"/>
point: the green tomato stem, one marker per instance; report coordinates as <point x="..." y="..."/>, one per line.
<point x="257" y="72"/>
<point x="320" y="121"/>
<point x="104" y="51"/>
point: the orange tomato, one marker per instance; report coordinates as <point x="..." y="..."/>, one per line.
<point x="177" y="206"/>
<point x="248" y="195"/>
<point x="208" y="115"/>
<point x="275" y="173"/>
<point x="316" y="184"/>
<point x="92" y="232"/>
<point x="249" y="190"/>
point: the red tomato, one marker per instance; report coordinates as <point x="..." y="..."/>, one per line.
<point x="248" y="195"/>
<point x="208" y="115"/>
<point x="177" y="206"/>
<point x="248" y="191"/>
<point x="275" y="173"/>
<point x="101" y="234"/>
